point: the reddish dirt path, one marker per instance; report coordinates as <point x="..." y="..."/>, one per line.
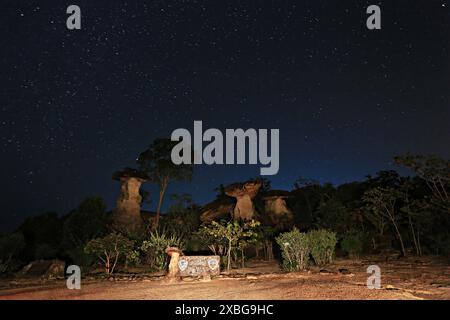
<point x="402" y="279"/>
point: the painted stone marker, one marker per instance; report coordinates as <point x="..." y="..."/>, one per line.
<point x="199" y="266"/>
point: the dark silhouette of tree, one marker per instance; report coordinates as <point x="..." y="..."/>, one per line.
<point x="157" y="164"/>
<point x="436" y="174"/>
<point x="42" y="235"/>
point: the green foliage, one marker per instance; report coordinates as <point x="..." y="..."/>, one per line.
<point x="295" y="249"/>
<point x="45" y="251"/>
<point x="155" y="247"/>
<point x="381" y="204"/>
<point x="436" y="174"/>
<point x="77" y="255"/>
<point x="232" y="234"/>
<point x="41" y="230"/>
<point x="322" y="243"/>
<point x="182" y="218"/>
<point x="332" y="214"/>
<point x="109" y="249"/>
<point x="352" y="244"/>
<point x="156" y="162"/>
<point x="11" y="246"/>
<point x="86" y="222"/>
<point x="132" y="257"/>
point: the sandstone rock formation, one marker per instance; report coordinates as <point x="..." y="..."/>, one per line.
<point x="127" y="214"/>
<point x="218" y="209"/>
<point x="174" y="271"/>
<point x="44" y="269"/>
<point x="244" y="193"/>
<point x="276" y="208"/>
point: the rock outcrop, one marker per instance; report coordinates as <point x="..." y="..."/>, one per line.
<point x="127" y="214"/>
<point x="221" y="208"/>
<point x="244" y="194"/>
<point x="276" y="208"/>
<point x="44" y="269"/>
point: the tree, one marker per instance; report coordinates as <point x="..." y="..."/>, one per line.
<point x="86" y="222"/>
<point x="382" y="202"/>
<point x="233" y="232"/>
<point x="332" y="214"/>
<point x="41" y="231"/>
<point x="157" y="163"/>
<point x="436" y="174"/>
<point x="11" y="246"/>
<point x="182" y="218"/>
<point x="109" y="248"/>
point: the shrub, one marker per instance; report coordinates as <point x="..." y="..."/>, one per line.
<point x="322" y="243"/>
<point x="10" y="248"/>
<point x="156" y="246"/>
<point x="232" y="235"/>
<point x="295" y="249"/>
<point x="45" y="251"/>
<point x="108" y="249"/>
<point x="86" y="222"/>
<point x="352" y="244"/>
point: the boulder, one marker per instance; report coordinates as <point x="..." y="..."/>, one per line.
<point x="45" y="269"/>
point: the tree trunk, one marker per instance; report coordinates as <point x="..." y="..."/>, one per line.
<point x="162" y="191"/>
<point x="115" y="259"/>
<point x="229" y="256"/>
<point x="418" y="243"/>
<point x="107" y="265"/>
<point x="399" y="237"/>
<point x="413" y="235"/>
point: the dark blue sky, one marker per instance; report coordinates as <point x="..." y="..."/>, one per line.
<point x="78" y="105"/>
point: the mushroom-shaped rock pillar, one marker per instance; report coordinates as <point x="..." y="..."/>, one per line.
<point x="276" y="208"/>
<point x="244" y="193"/>
<point x="127" y="214"/>
<point x="174" y="271"/>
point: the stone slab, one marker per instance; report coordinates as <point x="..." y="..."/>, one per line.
<point x="199" y="266"/>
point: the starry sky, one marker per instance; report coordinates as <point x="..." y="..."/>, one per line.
<point x="78" y="105"/>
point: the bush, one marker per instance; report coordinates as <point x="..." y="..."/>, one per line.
<point x="156" y="246"/>
<point x="295" y="249"/>
<point x="233" y="235"/>
<point x="109" y="249"/>
<point x="322" y="243"/>
<point x="352" y="244"/>
<point x="11" y="247"/>
<point x="45" y="251"/>
<point x="86" y="222"/>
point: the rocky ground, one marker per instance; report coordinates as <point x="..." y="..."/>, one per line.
<point x="407" y="278"/>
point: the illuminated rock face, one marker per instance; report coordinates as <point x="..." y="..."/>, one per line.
<point x="217" y="210"/>
<point x="244" y="193"/>
<point x="127" y="214"/>
<point x="277" y="209"/>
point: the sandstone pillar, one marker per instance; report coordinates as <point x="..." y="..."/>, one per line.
<point x="244" y="194"/>
<point x="127" y="214"/>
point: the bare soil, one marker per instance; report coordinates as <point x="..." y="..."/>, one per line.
<point x="407" y="278"/>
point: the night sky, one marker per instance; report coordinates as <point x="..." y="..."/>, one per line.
<point x="78" y="105"/>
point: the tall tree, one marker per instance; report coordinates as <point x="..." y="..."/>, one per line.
<point x="436" y="174"/>
<point x="383" y="203"/>
<point x="158" y="165"/>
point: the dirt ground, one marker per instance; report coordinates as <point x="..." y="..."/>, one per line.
<point x="413" y="278"/>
